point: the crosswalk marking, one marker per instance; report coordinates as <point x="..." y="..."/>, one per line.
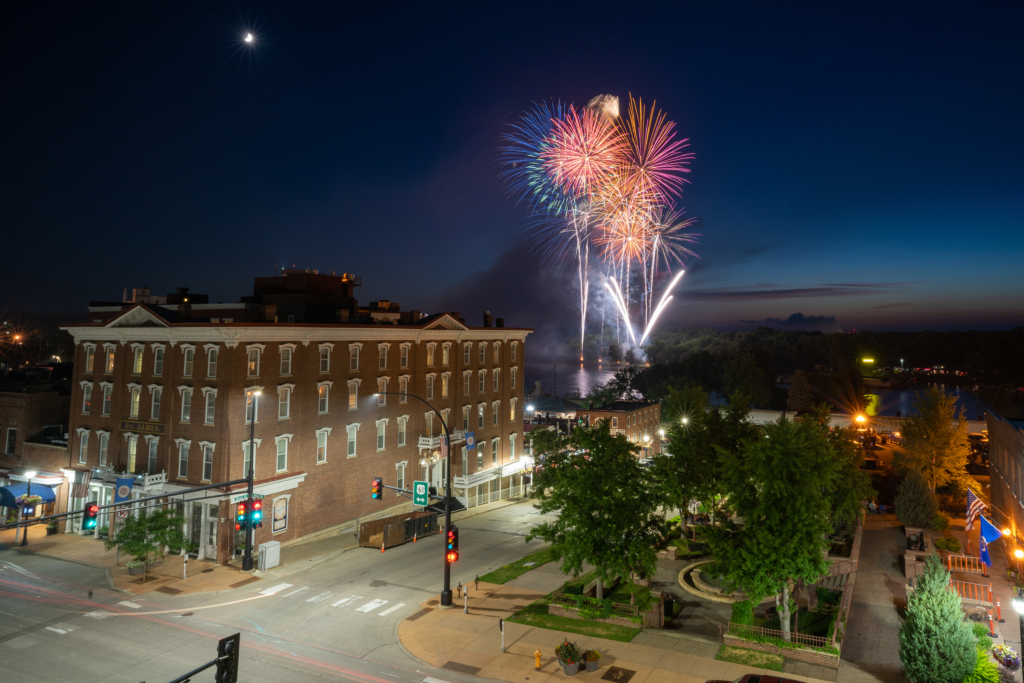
<point x="347" y="600"/>
<point x="370" y="606"/>
<point x="296" y="592"/>
<point x="319" y="598"/>
<point x="129" y="604"/>
<point x="389" y="610"/>
<point x="100" y="614"/>
<point x="62" y="631"/>
<point x="276" y="589"/>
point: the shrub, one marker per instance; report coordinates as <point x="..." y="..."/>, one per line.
<point x="984" y="643"/>
<point x="940" y="544"/>
<point x="916" y="505"/>
<point x="953" y="544"/>
<point x="591" y="656"/>
<point x="829" y="598"/>
<point x="940" y="522"/>
<point x="979" y="630"/>
<point x="742" y="612"/>
<point x="567" y="652"/>
<point x="985" y="671"/>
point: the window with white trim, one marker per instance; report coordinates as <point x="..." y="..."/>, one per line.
<point x="428" y="421"/>
<point x="104" y="447"/>
<point x="403" y="423"/>
<point x="430" y="387"/>
<point x="137" y="360"/>
<point x="190" y="357"/>
<point x="403" y="388"/>
<point x="108" y="392"/>
<point x="353" y="395"/>
<point x="135" y="400"/>
<point x="512" y="412"/>
<point x="511" y="446"/>
<point x="446" y="352"/>
<point x="515" y="348"/>
<point x="158" y="361"/>
<point x="325" y="359"/>
<point x="186" y="404"/>
<point x="494" y="379"/>
<point x="495" y="409"/>
<point x="480" y="416"/>
<point x="183" y="459"/>
<point x="286" y="361"/>
<point x="352" y="430"/>
<point x="152" y="442"/>
<point x="211" y="362"/>
<point x="211" y="407"/>
<point x="86" y="398"/>
<point x="400" y="475"/>
<point x="381" y="426"/>
<point x="154" y="404"/>
<point x="481" y="382"/>
<point x="323" y="393"/>
<point x="465" y="418"/>
<point x="494" y="452"/>
<point x="430" y="355"/>
<point x="512" y="372"/>
<point x="483" y="352"/>
<point x="353" y="357"/>
<point x="133" y="446"/>
<point x="282" y="453"/>
<point x="208" y="462"/>
<point x="404" y="355"/>
<point x="253" y="368"/>
<point x="382" y="386"/>
<point x="247" y="453"/>
<point x="444" y="384"/>
<point x="252" y="406"/>
<point x="90" y="357"/>
<point x="479" y="458"/>
<point x="109" y="367"/>
<point x="83" y="446"/>
<point x="465" y="353"/>
<point x="615" y="423"/>
<point x="465" y="381"/>
<point x="382" y="357"/>
<point x="321" y="444"/>
<point x="465" y="462"/>
<point x="497" y="352"/>
<point x="284" y="402"/>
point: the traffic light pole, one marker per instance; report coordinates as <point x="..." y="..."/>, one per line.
<point x="446" y="590"/>
<point x="247" y="557"/>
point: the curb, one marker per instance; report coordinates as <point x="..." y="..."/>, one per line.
<point x="106" y="570"/>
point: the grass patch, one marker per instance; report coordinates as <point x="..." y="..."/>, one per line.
<point x="622" y="593"/>
<point x="536" y="614"/>
<point x="810" y="623"/>
<point x="518" y="568"/>
<point x="761" y="660"/>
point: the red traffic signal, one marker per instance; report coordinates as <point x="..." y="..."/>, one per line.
<point x="241" y="514"/>
<point x="92" y="510"/>
<point x="378" y="488"/>
<point x="256" y="517"/>
<point x="453" y="544"/>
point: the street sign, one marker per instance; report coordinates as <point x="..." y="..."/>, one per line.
<point x="121" y="513"/>
<point x="419" y="493"/>
<point x="245" y="496"/>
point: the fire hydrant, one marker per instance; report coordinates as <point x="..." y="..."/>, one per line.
<point x="537" y="656"/>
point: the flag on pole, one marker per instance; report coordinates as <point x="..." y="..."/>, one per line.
<point x="988" y="534"/>
<point x="80" y="488"/>
<point x="974" y="507"/>
<point x="470" y="441"/>
<point x="444" y="447"/>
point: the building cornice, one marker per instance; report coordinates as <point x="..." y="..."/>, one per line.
<point x="232" y="334"/>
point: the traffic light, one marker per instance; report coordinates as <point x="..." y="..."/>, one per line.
<point x="241" y="516"/>
<point x="378" y="488"/>
<point x="256" y="517"/>
<point x="227" y="659"/>
<point x="92" y="510"/>
<point x="453" y="544"/>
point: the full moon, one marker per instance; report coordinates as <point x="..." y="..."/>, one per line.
<point x="248" y="37"/>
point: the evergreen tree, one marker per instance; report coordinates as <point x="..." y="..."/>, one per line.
<point x="936" y="440"/>
<point x="916" y="505"/>
<point x="936" y="642"/>
<point x="801" y="394"/>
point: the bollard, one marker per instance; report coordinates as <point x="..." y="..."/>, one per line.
<point x="414" y="538"/>
<point x="459" y="589"/>
<point x="536" y="657"/>
<point x="477" y="585"/>
<point x="501" y="627"/>
<point x="991" y="626"/>
<point x="465" y="606"/>
<point x="999" y="608"/>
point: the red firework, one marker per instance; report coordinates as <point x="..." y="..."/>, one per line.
<point x="585" y="148"/>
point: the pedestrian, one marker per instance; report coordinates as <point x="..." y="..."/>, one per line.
<point x="872" y="508"/>
<point x="881" y="509"/>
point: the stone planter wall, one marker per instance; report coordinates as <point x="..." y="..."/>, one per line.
<point x="800" y="654"/>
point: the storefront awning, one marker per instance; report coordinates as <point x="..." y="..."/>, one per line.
<point x="9" y="494"/>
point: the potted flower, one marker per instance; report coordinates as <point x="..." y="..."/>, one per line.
<point x="51" y="528"/>
<point x="569" y="657"/>
<point x="1006" y="656"/>
<point x="591" y="658"/>
<point x="136" y="567"/>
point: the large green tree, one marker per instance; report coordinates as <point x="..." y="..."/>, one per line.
<point x="936" y="642"/>
<point x="916" y="505"/>
<point x="780" y="485"/>
<point x="605" y="502"/>
<point x="852" y="485"/>
<point x="145" y="535"/>
<point x="936" y="440"/>
<point x="801" y="394"/>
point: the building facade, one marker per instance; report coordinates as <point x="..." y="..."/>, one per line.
<point x="1006" y="469"/>
<point x="172" y="400"/>
<point x="638" y="421"/>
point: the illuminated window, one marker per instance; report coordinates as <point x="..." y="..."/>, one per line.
<point x="110" y="361"/>
<point x="322" y="395"/>
<point x="137" y="362"/>
<point x="158" y="362"/>
<point x="136" y="397"/>
<point x="325" y="359"/>
<point x="86" y="399"/>
<point x="90" y="358"/>
<point x="254" y="363"/>
<point x="445" y="353"/>
<point x="186" y="405"/>
<point x="190" y="355"/>
<point x="430" y="354"/>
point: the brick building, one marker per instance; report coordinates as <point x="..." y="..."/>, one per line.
<point x="639" y="421"/>
<point x="1006" y="467"/>
<point x="167" y="395"/>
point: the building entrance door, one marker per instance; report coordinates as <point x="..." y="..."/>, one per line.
<point x="195" y="528"/>
<point x="210" y="535"/>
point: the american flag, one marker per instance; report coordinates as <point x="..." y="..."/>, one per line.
<point x="444" y="447"/>
<point x="974" y="508"/>
<point x="80" y="488"/>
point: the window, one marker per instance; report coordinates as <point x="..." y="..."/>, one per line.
<point x="465" y="462"/>
<point x="211" y="406"/>
<point x="479" y="458"/>
<point x="211" y="362"/>
<point x="83" y="445"/>
<point x="515" y="348"/>
<point x="494" y="379"/>
<point x="325" y="359"/>
<point x="465" y="418"/>
<point x="465" y="382"/>
<point x="190" y="357"/>
<point x="615" y="423"/>
<point x="430" y="354"/>
<point x="247" y="452"/>
<point x="136" y="397"/>
<point x="353" y="395"/>
<point x="497" y="352"/>
<point x="208" y="462"/>
<point x="465" y="353"/>
<point x="90" y="358"/>
<point x="86" y="399"/>
<point x="400" y="475"/>
<point x="480" y="416"/>
<point x="107" y="393"/>
<point x="382" y="357"/>
<point x="430" y="387"/>
<point x="428" y="419"/>
<point x="512" y="372"/>
<point x="154" y="404"/>
<point x="183" y="459"/>
<point x="381" y="424"/>
<point x="252" y="406"/>
<point x="280" y="514"/>
<point x="104" y="445"/>
<point x="495" y="409"/>
<point x="444" y="385"/>
<point x="512" y="412"/>
<point x="133" y="445"/>
<point x="482" y="381"/>
<point x="186" y="405"/>
<point x="511" y="446"/>
<point x="494" y="451"/>
<point x="110" y="361"/>
<point x="382" y="386"/>
<point x="321" y="446"/>
<point x="405" y="355"/>
<point x="286" y="361"/>
<point x="403" y="422"/>
<point x="158" y="362"/>
<point x="446" y="350"/>
<point x="403" y="388"/>
<point x="137" y="361"/>
<point x="254" y="363"/>
<point x="12" y="439"/>
<point x="151" y="464"/>
<point x="282" y="453"/>
<point x="284" y="402"/>
<point x="352" y="429"/>
<point x="353" y="357"/>
<point x="483" y="352"/>
<point x="322" y="396"/>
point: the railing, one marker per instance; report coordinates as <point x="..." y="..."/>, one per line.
<point x="619" y="609"/>
<point x="110" y="476"/>
<point x="966" y="563"/>
<point x="458" y="436"/>
<point x="747" y="631"/>
<point x="972" y="591"/>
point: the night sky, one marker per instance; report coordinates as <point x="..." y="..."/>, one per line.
<point x="853" y="161"/>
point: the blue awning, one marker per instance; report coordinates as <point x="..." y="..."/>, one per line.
<point x="8" y="494"/>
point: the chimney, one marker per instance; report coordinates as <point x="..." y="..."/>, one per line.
<point x="499" y="322"/>
<point x="455" y="314"/>
<point x="487" y="319"/>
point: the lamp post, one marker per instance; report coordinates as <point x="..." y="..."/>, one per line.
<point x="1019" y="554"/>
<point x="1018" y="605"/>
<point x="446" y="591"/>
<point x="24" y="530"/>
<point x="247" y="557"/>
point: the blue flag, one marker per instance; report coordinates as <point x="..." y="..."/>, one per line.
<point x="470" y="440"/>
<point x="988" y="534"/>
<point x="123" y="489"/>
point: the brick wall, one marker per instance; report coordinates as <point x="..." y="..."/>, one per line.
<point x="1006" y="466"/>
<point x="28" y="413"/>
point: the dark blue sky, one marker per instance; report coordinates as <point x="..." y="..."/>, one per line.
<point x="855" y="160"/>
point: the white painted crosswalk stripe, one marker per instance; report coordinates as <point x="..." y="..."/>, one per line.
<point x="276" y="589"/>
<point x="100" y="614"/>
<point x="301" y="590"/>
<point x="129" y="604"/>
<point x="370" y="606"/>
<point x="389" y="610"/>
<point x="345" y="601"/>
<point x="319" y="598"/>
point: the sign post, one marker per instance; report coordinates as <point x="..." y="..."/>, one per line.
<point x="419" y="493"/>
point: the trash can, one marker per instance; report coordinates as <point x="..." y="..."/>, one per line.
<point x="269" y="555"/>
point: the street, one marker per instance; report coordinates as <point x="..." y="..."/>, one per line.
<point x="335" y="620"/>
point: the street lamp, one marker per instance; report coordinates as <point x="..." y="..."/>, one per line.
<point x="254" y="397"/>
<point x="446" y="591"/>
<point x="1018" y="605"/>
<point x="1019" y="554"/>
<point x="249" y="38"/>
<point x="685" y="420"/>
<point x="647" y="446"/>
<point x="24" y="530"/>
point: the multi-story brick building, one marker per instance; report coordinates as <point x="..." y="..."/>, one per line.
<point x="170" y="397"/>
<point x="1006" y="467"/>
<point x="639" y="421"/>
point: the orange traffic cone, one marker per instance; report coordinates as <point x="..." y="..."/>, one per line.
<point x="382" y="546"/>
<point x="414" y="538"/>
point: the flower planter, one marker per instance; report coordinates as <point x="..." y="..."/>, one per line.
<point x="51" y="532"/>
<point x="570" y="669"/>
<point x="136" y="571"/>
<point x="592" y="666"/>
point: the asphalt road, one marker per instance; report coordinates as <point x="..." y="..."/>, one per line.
<point x="337" y="620"/>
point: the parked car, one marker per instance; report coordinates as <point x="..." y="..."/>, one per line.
<point x="756" y="678"/>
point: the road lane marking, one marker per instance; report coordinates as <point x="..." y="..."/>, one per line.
<point x="61" y="631"/>
<point x="370" y="606"/>
<point x="130" y="604"/>
<point x="99" y="614"/>
<point x="347" y="600"/>
<point x="276" y="589"/>
<point x="389" y="610"/>
<point x="319" y="598"/>
<point x="428" y="679"/>
<point x="301" y="590"/>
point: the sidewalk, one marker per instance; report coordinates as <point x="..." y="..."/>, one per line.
<point x="471" y="643"/>
<point x="163" y="576"/>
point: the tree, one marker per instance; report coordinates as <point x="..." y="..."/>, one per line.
<point x="743" y="374"/>
<point x="606" y="505"/>
<point x="936" y="642"/>
<point x="801" y="394"/>
<point x="630" y="357"/>
<point x="852" y="484"/>
<point x="936" y="440"/>
<point x="916" y="505"/>
<point x="779" y="484"/>
<point x="615" y="352"/>
<point x="144" y="536"/>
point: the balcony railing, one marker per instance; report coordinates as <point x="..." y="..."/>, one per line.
<point x="109" y="475"/>
<point x="458" y="436"/>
